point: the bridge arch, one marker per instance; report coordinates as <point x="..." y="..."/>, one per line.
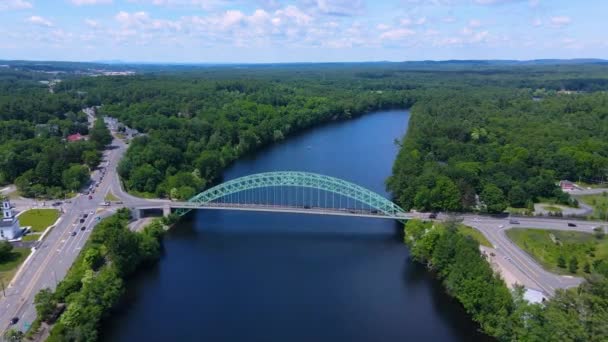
<point x="300" y="179"/>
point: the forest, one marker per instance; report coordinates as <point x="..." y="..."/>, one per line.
<point x="483" y="135"/>
<point x="502" y="132"/>
<point x="505" y="146"/>
<point x="34" y="153"/>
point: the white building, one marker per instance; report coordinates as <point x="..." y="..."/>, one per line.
<point x="9" y="226"/>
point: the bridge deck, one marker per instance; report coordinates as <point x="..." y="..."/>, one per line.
<point x="274" y="209"/>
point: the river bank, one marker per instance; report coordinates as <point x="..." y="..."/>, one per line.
<point x="272" y="274"/>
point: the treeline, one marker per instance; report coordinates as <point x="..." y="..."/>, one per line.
<point x="502" y="145"/>
<point x="196" y="127"/>
<point x="571" y="315"/>
<point x="95" y="282"/>
<point x="33" y="151"/>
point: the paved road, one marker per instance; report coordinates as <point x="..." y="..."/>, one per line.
<point x="537" y="278"/>
<point x="51" y="260"/>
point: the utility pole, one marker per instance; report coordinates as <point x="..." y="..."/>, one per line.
<point x="3" y="292"/>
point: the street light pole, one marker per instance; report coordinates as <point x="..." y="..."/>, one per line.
<point x="3" y="292"/>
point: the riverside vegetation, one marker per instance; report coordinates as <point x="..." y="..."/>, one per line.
<point x="571" y="315"/>
<point x="95" y="282"/>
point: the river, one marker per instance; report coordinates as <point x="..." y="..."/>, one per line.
<point x="251" y="276"/>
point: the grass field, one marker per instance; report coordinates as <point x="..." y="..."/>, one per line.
<point x="31" y="237"/>
<point x="552" y="208"/>
<point x="38" y="219"/>
<point x="546" y="246"/>
<point x="598" y="202"/>
<point x="475" y="234"/>
<point x="8" y="269"/>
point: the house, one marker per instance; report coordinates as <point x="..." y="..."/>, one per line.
<point x="76" y="137"/>
<point x="567" y="185"/>
<point x="9" y="225"/>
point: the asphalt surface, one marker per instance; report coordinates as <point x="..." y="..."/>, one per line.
<point x="537" y="278"/>
<point x="51" y="260"/>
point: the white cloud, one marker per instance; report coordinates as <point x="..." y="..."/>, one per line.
<point x="40" y="21"/>
<point x="90" y="2"/>
<point x="92" y="23"/>
<point x="397" y="34"/>
<point x="474" y="23"/>
<point x="560" y="21"/>
<point x="6" y="5"/>
<point x="496" y="2"/>
<point x="204" y="4"/>
<point x="382" y="27"/>
<point x="537" y="22"/>
<point x="334" y="7"/>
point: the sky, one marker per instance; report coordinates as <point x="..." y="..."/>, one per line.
<point x="276" y="31"/>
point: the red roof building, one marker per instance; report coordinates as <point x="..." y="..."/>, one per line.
<point x="567" y="185"/>
<point x="76" y="137"/>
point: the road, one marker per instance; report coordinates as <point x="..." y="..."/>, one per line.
<point x="51" y="260"/>
<point x="537" y="278"/>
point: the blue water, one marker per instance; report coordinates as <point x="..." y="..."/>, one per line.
<point x="250" y="276"/>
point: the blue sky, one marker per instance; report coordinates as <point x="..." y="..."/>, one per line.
<point x="256" y="31"/>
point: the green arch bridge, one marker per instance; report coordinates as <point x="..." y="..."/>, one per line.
<point x="288" y="191"/>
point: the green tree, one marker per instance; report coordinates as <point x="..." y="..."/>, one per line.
<point x="13" y="335"/>
<point x="209" y="163"/>
<point x="45" y="304"/>
<point x="493" y="199"/>
<point x="100" y="135"/>
<point x="6" y="250"/>
<point x="445" y="195"/>
<point x="74" y="177"/>
<point x="573" y="264"/>
<point x="587" y="268"/>
<point x="561" y="261"/>
<point x="517" y="197"/>
<point x="91" y="158"/>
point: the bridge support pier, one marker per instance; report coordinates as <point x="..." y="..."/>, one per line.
<point x="166" y="210"/>
<point x="136" y="213"/>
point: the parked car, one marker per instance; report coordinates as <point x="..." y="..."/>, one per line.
<point x="433" y="215"/>
<point x="14" y="320"/>
<point x="570" y="224"/>
<point x="513" y="221"/>
<point x="90" y="197"/>
<point x="83" y="228"/>
<point x="85" y="215"/>
<point x="73" y="234"/>
<point x="81" y="220"/>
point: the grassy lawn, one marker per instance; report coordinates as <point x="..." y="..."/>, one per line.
<point x="110" y="197"/>
<point x="475" y="234"/>
<point x="552" y="208"/>
<point x="519" y="211"/>
<point x="31" y="237"/>
<point x="546" y="246"/>
<point x="598" y="202"/>
<point x="9" y="268"/>
<point x="39" y="219"/>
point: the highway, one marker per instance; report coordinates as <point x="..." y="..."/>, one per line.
<point x="494" y="229"/>
<point x="53" y="257"/>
